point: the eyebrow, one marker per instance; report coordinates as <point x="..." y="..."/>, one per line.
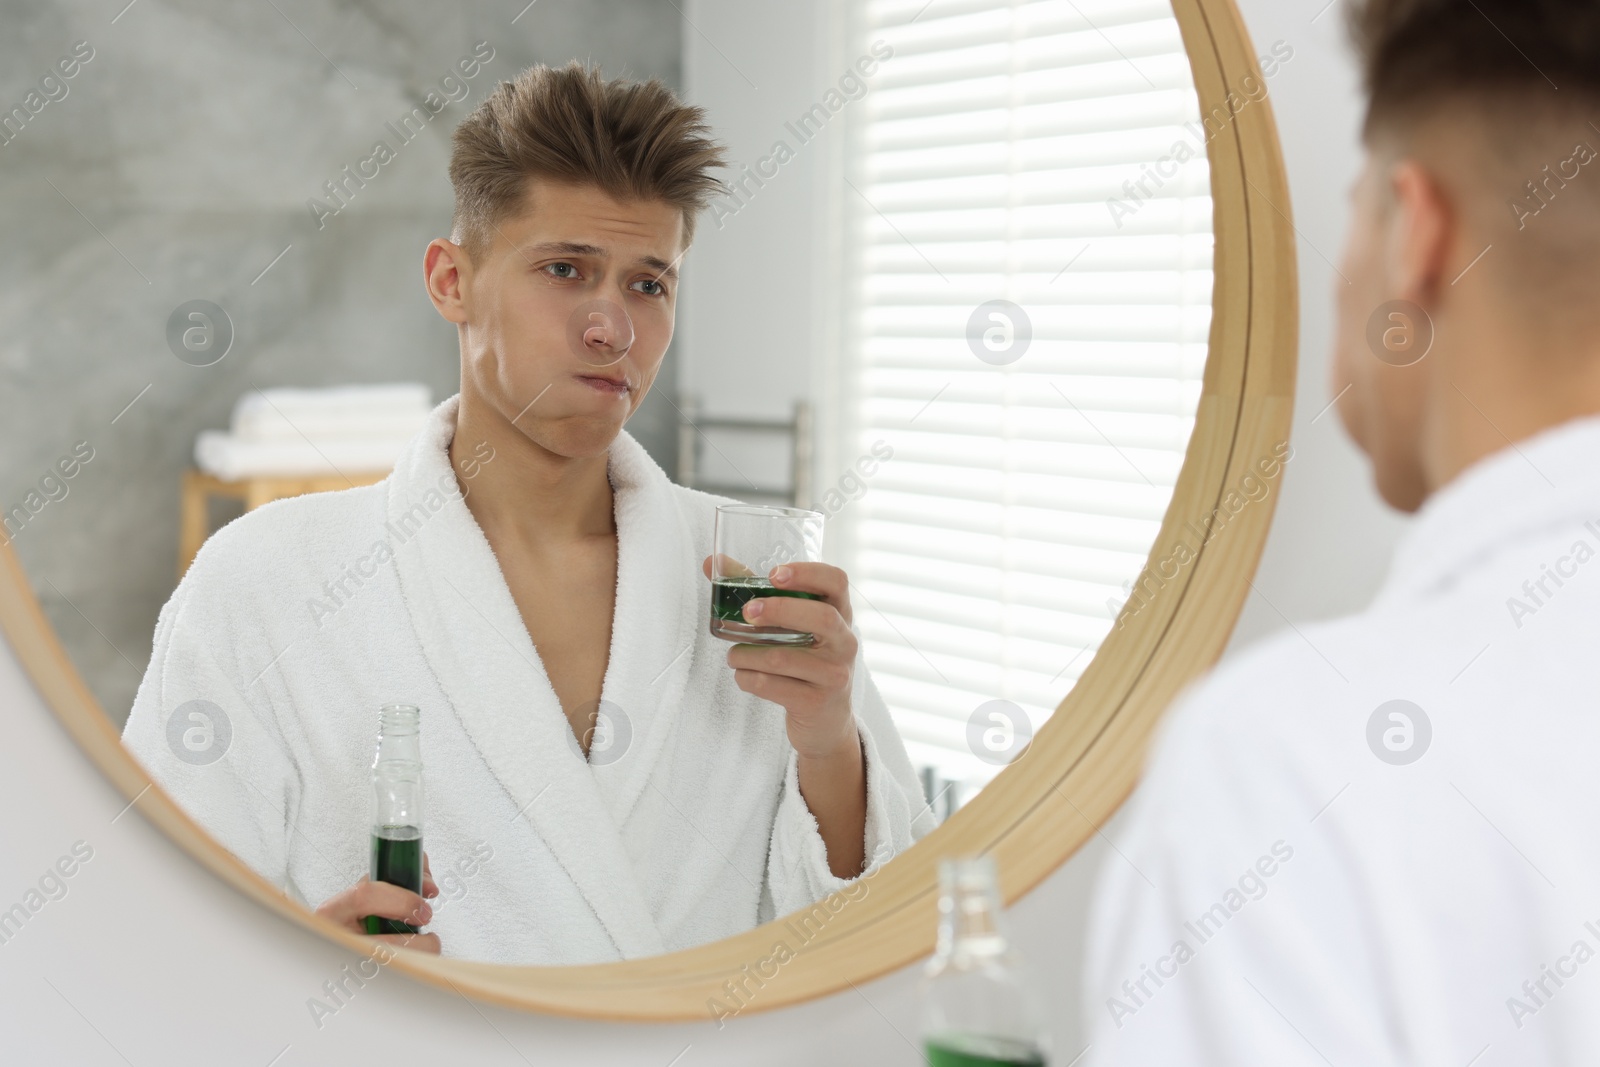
<point x="575" y="248"/>
<point x="662" y="268"/>
<point x="571" y="248"/>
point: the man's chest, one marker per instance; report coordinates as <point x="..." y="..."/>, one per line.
<point x="567" y="606"/>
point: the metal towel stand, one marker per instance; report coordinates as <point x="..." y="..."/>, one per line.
<point x="693" y="426"/>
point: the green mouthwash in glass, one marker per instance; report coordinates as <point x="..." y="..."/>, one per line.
<point x="730" y="595"/>
<point x="728" y="598"/>
<point x="953" y="1051"/>
<point x="396" y="810"/>
<point x="747" y="542"/>
<point x="977" y="1008"/>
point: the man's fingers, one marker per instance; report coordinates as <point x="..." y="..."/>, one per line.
<point x="817" y="617"/>
<point x="420" y="942"/>
<point x="389" y="902"/>
<point x="393" y="902"/>
<point x="351" y="908"/>
<point x="779" y="689"/>
<point x="827" y="581"/>
<point x="429" y="887"/>
<point x="731" y="567"/>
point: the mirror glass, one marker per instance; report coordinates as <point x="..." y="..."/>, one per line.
<point x="954" y="297"/>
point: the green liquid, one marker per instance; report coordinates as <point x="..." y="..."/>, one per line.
<point x="396" y="859"/>
<point x="730" y="595"/>
<point x="976" y="1050"/>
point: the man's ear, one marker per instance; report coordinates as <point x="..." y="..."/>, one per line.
<point x="445" y="272"/>
<point x="1421" y="230"/>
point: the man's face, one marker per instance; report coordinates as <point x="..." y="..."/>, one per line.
<point x="577" y="292"/>
<point x="1380" y="403"/>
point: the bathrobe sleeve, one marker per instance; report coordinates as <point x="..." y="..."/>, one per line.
<point x="897" y="815"/>
<point x="205" y="738"/>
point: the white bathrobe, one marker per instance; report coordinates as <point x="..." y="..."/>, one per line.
<point x="1316" y="873"/>
<point x="301" y="618"/>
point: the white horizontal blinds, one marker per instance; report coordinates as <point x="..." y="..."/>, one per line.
<point x="1020" y="498"/>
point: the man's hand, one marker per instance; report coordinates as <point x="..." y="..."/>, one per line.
<point x="350" y="908"/>
<point x="813" y="684"/>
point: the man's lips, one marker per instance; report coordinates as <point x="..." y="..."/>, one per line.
<point x="604" y="381"/>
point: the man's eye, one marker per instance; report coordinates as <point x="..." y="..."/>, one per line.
<point x="653" y="287"/>
<point x="562" y="270"/>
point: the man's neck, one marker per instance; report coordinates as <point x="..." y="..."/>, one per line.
<point x="527" y="493"/>
<point x="1499" y="396"/>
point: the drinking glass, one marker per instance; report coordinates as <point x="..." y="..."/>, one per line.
<point x="748" y="541"/>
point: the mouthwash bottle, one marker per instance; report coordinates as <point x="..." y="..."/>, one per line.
<point x="396" y="809"/>
<point x="977" y="1010"/>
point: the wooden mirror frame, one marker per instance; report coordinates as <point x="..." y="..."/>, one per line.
<point x="1082" y="764"/>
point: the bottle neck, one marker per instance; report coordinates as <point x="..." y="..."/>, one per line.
<point x="399" y="740"/>
<point x="970" y="920"/>
<point x="404" y="748"/>
<point x="397" y="772"/>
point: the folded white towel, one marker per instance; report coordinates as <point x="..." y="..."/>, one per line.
<point x="345" y="424"/>
<point x="225" y="456"/>
<point x="263" y="414"/>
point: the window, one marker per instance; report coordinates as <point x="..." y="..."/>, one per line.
<point x="1048" y="154"/>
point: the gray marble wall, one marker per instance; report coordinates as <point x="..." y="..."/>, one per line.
<point x="175" y="164"/>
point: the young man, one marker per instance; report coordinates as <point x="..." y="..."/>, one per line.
<point x="1374" y="841"/>
<point x="604" y="778"/>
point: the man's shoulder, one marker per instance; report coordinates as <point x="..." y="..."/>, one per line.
<point x="699" y="507"/>
<point x="1302" y="661"/>
<point x="286" y="538"/>
<point x="1291" y="699"/>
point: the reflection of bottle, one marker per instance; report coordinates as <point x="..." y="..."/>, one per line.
<point x="396" y="809"/>
<point x="976" y="1009"/>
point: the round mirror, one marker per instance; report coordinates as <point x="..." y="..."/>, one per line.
<point x="1001" y="295"/>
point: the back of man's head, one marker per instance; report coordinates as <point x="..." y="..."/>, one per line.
<point x="1468" y="315"/>
<point x="1504" y="97"/>
<point x="1418" y="54"/>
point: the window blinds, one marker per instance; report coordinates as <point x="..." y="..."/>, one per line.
<point x="1028" y="152"/>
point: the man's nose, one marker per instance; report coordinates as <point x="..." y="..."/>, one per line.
<point x="602" y="331"/>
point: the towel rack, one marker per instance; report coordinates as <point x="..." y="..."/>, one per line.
<point x="694" y="424"/>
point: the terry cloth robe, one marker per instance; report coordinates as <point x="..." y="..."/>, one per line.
<point x="1372" y="840"/>
<point x="299" y="619"/>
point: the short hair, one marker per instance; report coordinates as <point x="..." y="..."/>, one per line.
<point x="1514" y="85"/>
<point x="634" y="141"/>
<point x="1419" y="54"/>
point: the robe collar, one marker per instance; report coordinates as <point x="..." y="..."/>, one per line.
<point x="476" y="644"/>
<point x="1551" y="479"/>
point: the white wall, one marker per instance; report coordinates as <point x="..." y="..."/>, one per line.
<point x="150" y="960"/>
<point x="749" y="333"/>
<point x="1332" y="536"/>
